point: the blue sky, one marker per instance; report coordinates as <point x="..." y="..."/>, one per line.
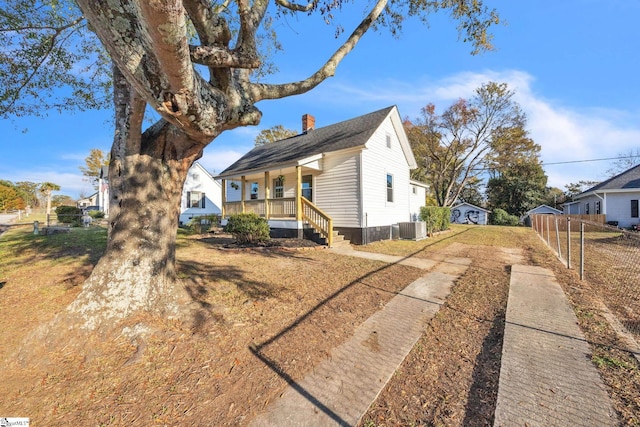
<point x="574" y="66"/>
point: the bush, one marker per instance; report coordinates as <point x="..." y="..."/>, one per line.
<point x="248" y="228"/>
<point x="203" y="223"/>
<point x="501" y="217"/>
<point x="437" y="218"/>
<point x="69" y="215"/>
<point x="96" y="214"/>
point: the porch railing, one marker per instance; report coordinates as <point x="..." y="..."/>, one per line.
<point x="318" y="219"/>
<point x="282" y="208"/>
<point x="278" y="208"/>
<point x="286" y="208"/>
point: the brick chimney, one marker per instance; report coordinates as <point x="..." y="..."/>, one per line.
<point x="308" y="123"/>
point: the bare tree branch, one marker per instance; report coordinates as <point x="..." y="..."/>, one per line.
<point x="265" y="91"/>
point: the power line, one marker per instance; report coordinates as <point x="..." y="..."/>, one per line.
<point x="591" y="160"/>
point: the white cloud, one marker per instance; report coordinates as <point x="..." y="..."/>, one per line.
<point x="566" y="133"/>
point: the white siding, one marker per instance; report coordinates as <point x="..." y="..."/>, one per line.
<point x="618" y="207"/>
<point x="416" y="200"/>
<point x="198" y="179"/>
<point x="337" y="189"/>
<point x="377" y="161"/>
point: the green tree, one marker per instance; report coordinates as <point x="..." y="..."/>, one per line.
<point x="453" y="149"/>
<point x="46" y="189"/>
<point x="273" y="134"/>
<point x="46" y="46"/>
<point x="518" y="189"/>
<point x="29" y="192"/>
<point x="93" y="165"/>
<point x="196" y="63"/>
<point x="62" y="200"/>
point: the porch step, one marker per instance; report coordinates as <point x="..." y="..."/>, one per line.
<point x="339" y="240"/>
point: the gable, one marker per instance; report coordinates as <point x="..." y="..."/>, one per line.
<point x="337" y="137"/>
<point x="628" y="180"/>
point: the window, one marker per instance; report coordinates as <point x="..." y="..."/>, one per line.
<point x="278" y="187"/>
<point x="586" y="208"/>
<point x="254" y="191"/>
<point x="414" y="189"/>
<point x="195" y="199"/>
<point x="598" y="208"/>
<point x="388" y="141"/>
<point x="634" y="209"/>
<point x="307" y="187"/>
<point x="389" y="188"/>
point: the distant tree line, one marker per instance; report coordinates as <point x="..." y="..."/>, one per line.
<point x="23" y="194"/>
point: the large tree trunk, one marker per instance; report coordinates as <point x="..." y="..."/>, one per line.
<point x="146" y="173"/>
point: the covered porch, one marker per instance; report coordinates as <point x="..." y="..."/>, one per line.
<point x="284" y="197"/>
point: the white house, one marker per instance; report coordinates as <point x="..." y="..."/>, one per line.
<point x="466" y="213"/>
<point x="201" y="194"/>
<point x="92" y="200"/>
<point x="351" y="177"/>
<point x="617" y="198"/>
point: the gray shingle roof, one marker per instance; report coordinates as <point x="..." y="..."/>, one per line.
<point x="347" y="134"/>
<point x="629" y="179"/>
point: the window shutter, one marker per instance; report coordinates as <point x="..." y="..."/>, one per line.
<point x="188" y="199"/>
<point x="202" y="201"/>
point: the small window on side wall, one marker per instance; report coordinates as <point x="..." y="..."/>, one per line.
<point x="195" y="199"/>
<point x="389" y="188"/>
<point x="388" y="141"/>
<point x="634" y="209"/>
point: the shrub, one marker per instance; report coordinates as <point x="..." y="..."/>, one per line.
<point x="248" y="228"/>
<point x="69" y="215"/>
<point x="437" y="218"/>
<point x="501" y="217"/>
<point x="96" y="214"/>
<point x="203" y="223"/>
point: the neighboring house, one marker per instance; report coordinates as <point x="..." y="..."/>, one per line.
<point x="466" y="213"/>
<point x="92" y="200"/>
<point x="351" y="177"/>
<point x="544" y="209"/>
<point x="201" y="194"/>
<point x="616" y="198"/>
<point x="539" y="210"/>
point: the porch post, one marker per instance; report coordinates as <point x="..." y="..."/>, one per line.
<point x="243" y="184"/>
<point x="267" y="191"/>
<point x="298" y="193"/>
<point x="224" y="198"/>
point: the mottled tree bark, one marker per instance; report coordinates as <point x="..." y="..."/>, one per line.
<point x="147" y="173"/>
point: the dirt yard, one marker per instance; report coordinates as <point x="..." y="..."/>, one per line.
<point x="294" y="305"/>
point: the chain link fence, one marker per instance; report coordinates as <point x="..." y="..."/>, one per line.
<point x="604" y="255"/>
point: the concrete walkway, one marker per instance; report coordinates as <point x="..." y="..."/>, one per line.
<point x="341" y="388"/>
<point x="547" y="377"/>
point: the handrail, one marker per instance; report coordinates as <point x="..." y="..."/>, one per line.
<point x="318" y="219"/>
